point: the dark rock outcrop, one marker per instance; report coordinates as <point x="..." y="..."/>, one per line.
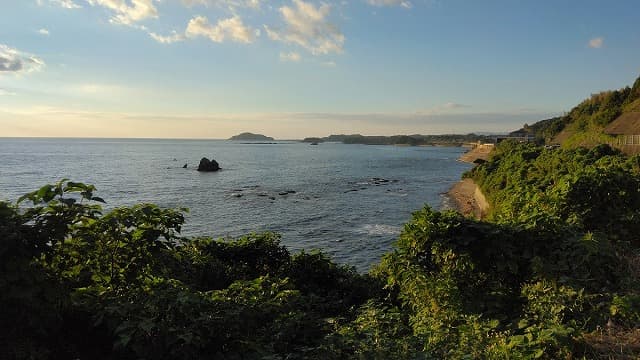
<point x="207" y="165"/>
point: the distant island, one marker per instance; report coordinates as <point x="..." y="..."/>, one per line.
<point x="410" y="140"/>
<point x="247" y="136"/>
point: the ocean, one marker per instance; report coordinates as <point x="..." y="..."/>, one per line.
<point x="349" y="201"/>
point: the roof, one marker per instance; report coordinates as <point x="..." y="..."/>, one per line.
<point x="625" y="124"/>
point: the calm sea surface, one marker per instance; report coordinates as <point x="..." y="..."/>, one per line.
<point x="337" y="200"/>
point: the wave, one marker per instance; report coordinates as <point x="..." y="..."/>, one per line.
<point x="379" y="229"/>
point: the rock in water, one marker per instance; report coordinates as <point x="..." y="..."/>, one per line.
<point x="208" y="165"/>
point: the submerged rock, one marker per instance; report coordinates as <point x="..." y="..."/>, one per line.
<point x="207" y="165"/>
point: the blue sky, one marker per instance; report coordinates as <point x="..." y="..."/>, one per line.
<point x="296" y="68"/>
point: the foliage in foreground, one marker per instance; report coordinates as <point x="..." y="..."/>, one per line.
<point x="553" y="274"/>
<point x="75" y="283"/>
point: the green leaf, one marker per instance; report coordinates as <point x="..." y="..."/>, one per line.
<point x="24" y="197"/>
<point x="44" y="191"/>
<point x="538" y="354"/>
<point x="523" y="324"/>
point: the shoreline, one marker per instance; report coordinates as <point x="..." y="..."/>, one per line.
<point x="467" y="199"/>
<point x="480" y="153"/>
<point x="465" y="195"/>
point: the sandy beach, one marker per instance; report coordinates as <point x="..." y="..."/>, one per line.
<point x="479" y="152"/>
<point x="468" y="199"/>
<point x="465" y="195"/>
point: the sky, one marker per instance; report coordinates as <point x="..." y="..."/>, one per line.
<point x="297" y="68"/>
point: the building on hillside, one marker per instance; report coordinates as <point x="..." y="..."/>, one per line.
<point x="626" y="129"/>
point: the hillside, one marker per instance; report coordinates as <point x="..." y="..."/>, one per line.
<point x="584" y="125"/>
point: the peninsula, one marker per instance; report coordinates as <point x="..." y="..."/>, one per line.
<point x="408" y="140"/>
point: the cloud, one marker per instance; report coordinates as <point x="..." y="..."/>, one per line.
<point x="64" y="122"/>
<point x="308" y="26"/>
<point x="596" y="43"/>
<point x="226" y="29"/>
<point x="128" y="12"/>
<point x="452" y="106"/>
<point x="44" y="32"/>
<point x="290" y="57"/>
<point x="231" y="29"/>
<point x="446" y="108"/>
<point x="15" y="61"/>
<point x="168" y="39"/>
<point x="4" y="92"/>
<point x="404" y="4"/>
<point x="230" y="4"/>
<point x="67" y="4"/>
<point x="100" y="89"/>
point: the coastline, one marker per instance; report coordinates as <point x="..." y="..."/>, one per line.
<point x="465" y="195"/>
<point x="480" y="152"/>
<point x="468" y="200"/>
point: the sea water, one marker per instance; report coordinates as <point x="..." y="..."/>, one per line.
<point x="350" y="201"/>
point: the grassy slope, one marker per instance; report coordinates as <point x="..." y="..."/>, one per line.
<point x="584" y="124"/>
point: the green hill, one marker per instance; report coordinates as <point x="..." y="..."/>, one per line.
<point x="584" y="125"/>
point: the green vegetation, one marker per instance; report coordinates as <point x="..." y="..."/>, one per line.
<point x="574" y="214"/>
<point x="76" y="283"/>
<point x="544" y="130"/>
<point x="554" y="273"/>
<point x="583" y="126"/>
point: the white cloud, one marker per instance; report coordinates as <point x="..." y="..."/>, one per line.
<point x="15" y="61"/>
<point x="226" y="29"/>
<point x="44" y="32"/>
<point x="308" y="26"/>
<point x="290" y="57"/>
<point x="453" y="105"/>
<point x="446" y="108"/>
<point x="403" y="3"/>
<point x="231" y="29"/>
<point x="60" y="122"/>
<point x="128" y="12"/>
<point x="67" y="4"/>
<point x="168" y="39"/>
<point x="596" y="43"/>
<point x="4" y="92"/>
<point x="231" y="4"/>
<point x="98" y="88"/>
